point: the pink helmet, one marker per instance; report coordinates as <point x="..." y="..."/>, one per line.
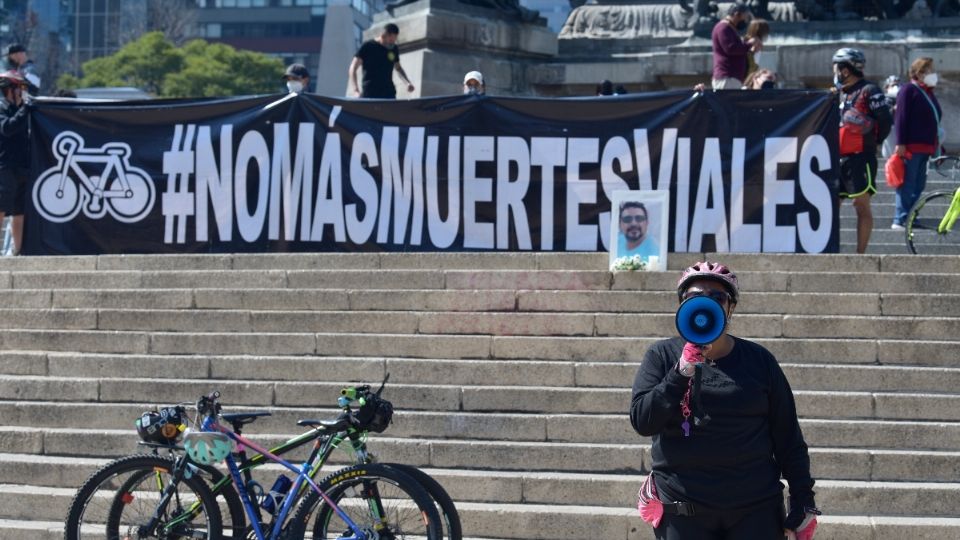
<point x="710" y="270"/>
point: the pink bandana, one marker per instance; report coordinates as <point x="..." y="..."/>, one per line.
<point x="648" y="503"/>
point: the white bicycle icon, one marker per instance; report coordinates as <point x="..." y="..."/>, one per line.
<point x="126" y="192"/>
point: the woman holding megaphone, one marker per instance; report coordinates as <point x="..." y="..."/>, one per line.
<point x="724" y="427"/>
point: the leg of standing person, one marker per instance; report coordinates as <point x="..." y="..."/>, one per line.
<point x="16" y="227"/>
<point x="20" y="202"/>
<point x="763" y="523"/>
<point x="699" y="527"/>
<point x="914" y="182"/>
<point x="864" y="221"/>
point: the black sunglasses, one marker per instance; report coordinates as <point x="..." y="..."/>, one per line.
<point x="631" y="219"/>
<point x="720" y="296"/>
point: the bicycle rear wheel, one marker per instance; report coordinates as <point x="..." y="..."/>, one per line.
<point x="376" y="498"/>
<point x="118" y="501"/>
<point x="452" y="529"/>
<point x="921" y="227"/>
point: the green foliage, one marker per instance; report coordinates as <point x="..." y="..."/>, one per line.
<point x="198" y="69"/>
<point x="214" y="69"/>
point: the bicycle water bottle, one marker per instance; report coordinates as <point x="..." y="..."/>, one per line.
<point x="271" y="503"/>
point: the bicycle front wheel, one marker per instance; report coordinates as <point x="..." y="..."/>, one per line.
<point x="923" y="221"/>
<point x="376" y="498"/>
<point x="119" y="500"/>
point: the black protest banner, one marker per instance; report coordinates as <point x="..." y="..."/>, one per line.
<point x="745" y="172"/>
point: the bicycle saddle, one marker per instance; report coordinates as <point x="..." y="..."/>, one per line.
<point x="238" y="420"/>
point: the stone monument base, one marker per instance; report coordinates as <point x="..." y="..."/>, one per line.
<point x="441" y="40"/>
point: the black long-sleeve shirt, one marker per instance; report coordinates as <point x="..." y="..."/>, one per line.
<point x="737" y="458"/>
<point x="14" y="143"/>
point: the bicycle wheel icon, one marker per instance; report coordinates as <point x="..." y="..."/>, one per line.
<point x="134" y="198"/>
<point x="57" y="198"/>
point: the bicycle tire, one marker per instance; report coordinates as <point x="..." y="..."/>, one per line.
<point x="452" y="529"/>
<point x="99" y="507"/>
<point x="921" y="228"/>
<point x="414" y="516"/>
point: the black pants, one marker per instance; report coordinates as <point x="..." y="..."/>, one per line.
<point x="761" y="522"/>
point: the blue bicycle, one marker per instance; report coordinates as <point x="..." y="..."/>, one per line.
<point x="375" y="502"/>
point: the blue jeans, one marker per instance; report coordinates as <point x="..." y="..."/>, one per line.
<point x="914" y="181"/>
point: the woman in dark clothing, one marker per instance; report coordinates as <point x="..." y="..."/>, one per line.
<point x="719" y="453"/>
<point x="917" y="125"/>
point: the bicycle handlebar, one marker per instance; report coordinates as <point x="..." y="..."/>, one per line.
<point x="209" y="404"/>
<point x="350" y="394"/>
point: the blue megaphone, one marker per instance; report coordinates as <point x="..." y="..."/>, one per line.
<point x="701" y="320"/>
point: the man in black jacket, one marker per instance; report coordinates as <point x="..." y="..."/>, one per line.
<point x="14" y="152"/>
<point x="724" y="427"/>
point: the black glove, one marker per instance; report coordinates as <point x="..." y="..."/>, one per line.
<point x="800" y="516"/>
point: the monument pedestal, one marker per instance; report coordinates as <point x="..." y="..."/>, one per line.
<point x="441" y="40"/>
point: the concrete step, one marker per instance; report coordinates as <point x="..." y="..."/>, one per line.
<point x="851" y="497"/>
<point x="152" y="266"/>
<point x="851" y="463"/>
<point x="244" y="322"/>
<point x="518" y="373"/>
<point x="762" y="281"/>
<point x="630" y="349"/>
<point x="868" y="432"/>
<point x="326" y="300"/>
<point x="533" y="521"/>
<point x="453" y="398"/>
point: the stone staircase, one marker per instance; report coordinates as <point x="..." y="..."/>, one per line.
<point x="511" y="373"/>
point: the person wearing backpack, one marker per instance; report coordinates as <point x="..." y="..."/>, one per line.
<point x="864" y="123"/>
<point x="919" y="134"/>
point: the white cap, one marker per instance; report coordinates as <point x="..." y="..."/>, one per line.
<point x="473" y="75"/>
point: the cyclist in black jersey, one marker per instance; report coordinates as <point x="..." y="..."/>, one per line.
<point x="865" y="122"/>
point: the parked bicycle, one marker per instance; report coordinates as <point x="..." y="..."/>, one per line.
<point x="106" y="491"/>
<point x="930" y="224"/>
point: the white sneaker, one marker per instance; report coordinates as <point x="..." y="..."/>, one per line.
<point x="897" y="227"/>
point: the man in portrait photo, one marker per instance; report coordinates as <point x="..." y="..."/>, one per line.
<point x="634" y="226"/>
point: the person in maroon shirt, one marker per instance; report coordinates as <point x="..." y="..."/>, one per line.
<point x="918" y="124"/>
<point x="730" y="50"/>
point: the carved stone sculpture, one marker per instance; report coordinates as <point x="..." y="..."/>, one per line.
<point x="508" y="7"/>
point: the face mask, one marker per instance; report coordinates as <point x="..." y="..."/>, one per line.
<point x="767" y="85"/>
<point x="838" y="80"/>
<point x="893" y="91"/>
<point x="295" y="86"/>
<point x="472" y="90"/>
<point x="930" y="79"/>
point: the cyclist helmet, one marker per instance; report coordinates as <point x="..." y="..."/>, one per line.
<point x="161" y="427"/>
<point x="713" y="271"/>
<point x="850" y="56"/>
<point x="207" y="447"/>
<point x="11" y="78"/>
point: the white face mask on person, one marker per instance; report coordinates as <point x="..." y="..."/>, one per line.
<point x="930" y="79"/>
<point x="295" y="86"/>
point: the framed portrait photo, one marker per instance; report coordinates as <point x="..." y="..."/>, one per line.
<point x="639" y="221"/>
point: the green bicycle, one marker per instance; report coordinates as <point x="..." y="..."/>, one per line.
<point x="930" y="224"/>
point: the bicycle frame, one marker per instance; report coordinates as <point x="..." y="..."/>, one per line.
<point x="303" y="477"/>
<point x="950" y="217"/>
<point x="112" y="163"/>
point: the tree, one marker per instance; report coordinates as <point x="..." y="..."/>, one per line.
<point x="198" y="69"/>
<point x="215" y="69"/>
